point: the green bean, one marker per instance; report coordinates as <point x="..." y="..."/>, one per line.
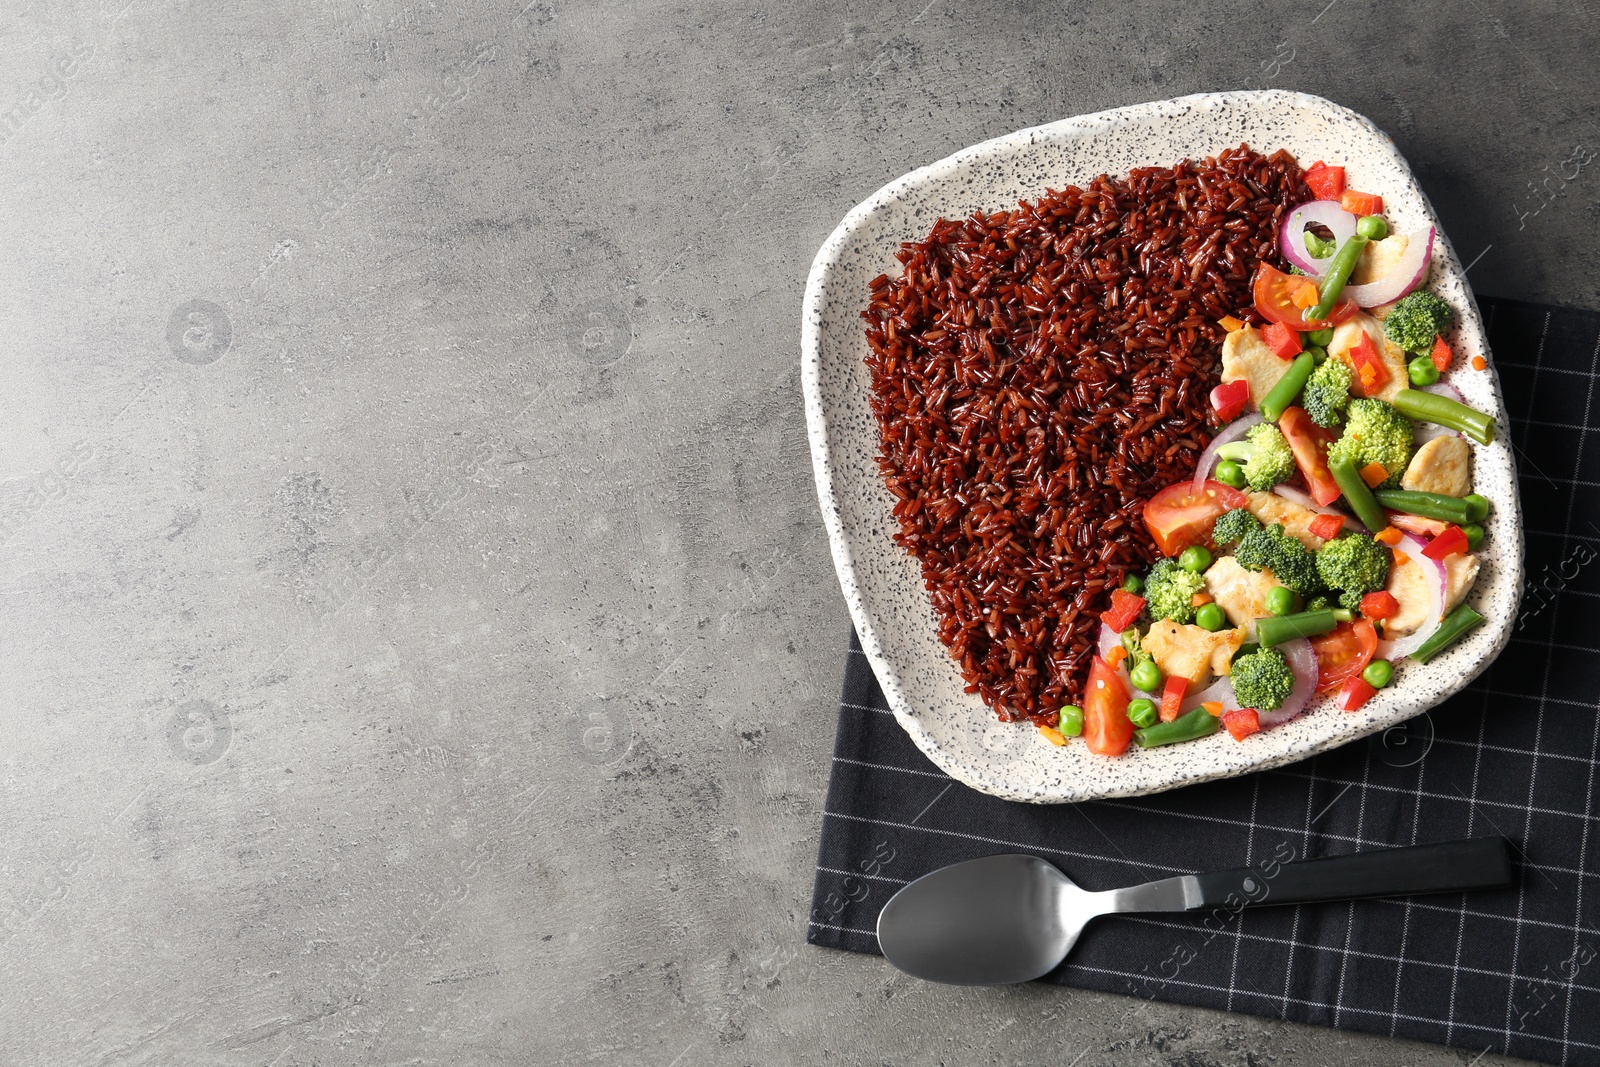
<point x="1477" y="507"/>
<point x="1443" y="411"/>
<point x="1321" y="338"/>
<point x="1343" y="614"/>
<point x="1451" y="630"/>
<point x="1429" y="505"/>
<point x="1357" y="494"/>
<point x="1142" y="712"/>
<point x="1319" y="355"/>
<point x="1071" y="721"/>
<point x="1196" y="724"/>
<point x="1344" y="261"/>
<point x="1475" y="534"/>
<point x="1275" y="630"/>
<point x="1283" y="394"/>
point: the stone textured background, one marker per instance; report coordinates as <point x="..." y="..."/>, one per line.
<point x="419" y="643"/>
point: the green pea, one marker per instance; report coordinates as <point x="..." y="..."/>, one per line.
<point x="1372" y="227"/>
<point x="1133" y="584"/>
<point x="1378" y="673"/>
<point x="1195" y="559"/>
<point x="1280" y="600"/>
<point x="1146" y="675"/>
<point x="1320" y="338"/>
<point x="1475" y="534"/>
<point x="1210" y="617"/>
<point x="1477" y="507"/>
<point x="1421" y="371"/>
<point x="1071" y="720"/>
<point x="1319" y="355"/>
<point x="1142" y="712"/>
<point x="1230" y="474"/>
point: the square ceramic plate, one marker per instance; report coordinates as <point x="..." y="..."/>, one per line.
<point x="882" y="583"/>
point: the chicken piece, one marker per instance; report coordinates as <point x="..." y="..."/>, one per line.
<point x="1379" y="258"/>
<point x="1245" y="355"/>
<point x="1348" y="332"/>
<point x="1408" y="584"/>
<point x="1240" y="593"/>
<point x="1191" y="652"/>
<point x="1443" y="465"/>
<point x="1271" y="508"/>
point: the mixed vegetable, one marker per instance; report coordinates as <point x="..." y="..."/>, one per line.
<point x="1270" y="594"/>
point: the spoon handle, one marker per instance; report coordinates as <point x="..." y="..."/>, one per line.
<point x="1447" y="867"/>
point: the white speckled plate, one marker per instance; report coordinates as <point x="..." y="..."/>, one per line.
<point x="882" y="583"/>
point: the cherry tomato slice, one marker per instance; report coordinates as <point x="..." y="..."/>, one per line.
<point x="1179" y="517"/>
<point x="1343" y="652"/>
<point x="1106" y="728"/>
<point x="1355" y="692"/>
<point x="1309" y="443"/>
<point x="1274" y="293"/>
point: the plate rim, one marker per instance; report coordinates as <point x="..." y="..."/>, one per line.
<point x="841" y="545"/>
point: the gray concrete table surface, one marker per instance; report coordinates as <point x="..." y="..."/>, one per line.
<point x="419" y="642"/>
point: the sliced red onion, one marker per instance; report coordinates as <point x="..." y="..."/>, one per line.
<point x="1110" y="639"/>
<point x="1434" y="569"/>
<point x="1292" y="237"/>
<point x="1405" y="276"/>
<point x="1304" y="499"/>
<point x="1208" y="459"/>
<point x="1445" y="389"/>
<point x="1220" y="691"/>
<point x="1303" y="662"/>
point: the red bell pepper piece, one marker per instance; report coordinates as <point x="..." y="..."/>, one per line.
<point x="1172" y="697"/>
<point x="1361" y="203"/>
<point x="1125" y="608"/>
<point x="1229" y="399"/>
<point x="1284" y="342"/>
<point x="1450" y="542"/>
<point x="1441" y="355"/>
<point x="1371" y="373"/>
<point x="1327" y="183"/>
<point x="1241" y="722"/>
<point x="1309" y="443"/>
<point x="1326" y="527"/>
<point x="1355" y="693"/>
<point x="1380" y="605"/>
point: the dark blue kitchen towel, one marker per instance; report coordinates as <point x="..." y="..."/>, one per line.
<point x="1516" y="971"/>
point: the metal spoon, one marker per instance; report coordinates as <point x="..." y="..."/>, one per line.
<point x="1014" y="918"/>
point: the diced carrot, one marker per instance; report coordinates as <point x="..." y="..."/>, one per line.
<point x="1441" y="355"/>
<point x="1213" y="707"/>
<point x="1361" y="203"/>
<point x="1479" y="363"/>
<point x="1374" y="474"/>
<point x="1388" y="535"/>
<point x="1052" y="735"/>
<point x="1115" y="657"/>
<point x="1199" y="600"/>
<point x="1229" y="323"/>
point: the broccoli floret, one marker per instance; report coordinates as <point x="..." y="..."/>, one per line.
<point x="1265" y="454"/>
<point x="1319" y="248"/>
<point x="1271" y="548"/>
<point x="1416" y="320"/>
<point x="1232" y="525"/>
<point x="1327" y="394"/>
<point x="1262" y="680"/>
<point x="1169" y="591"/>
<point x="1320" y="603"/>
<point x="1374" y="432"/>
<point x="1353" y="565"/>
